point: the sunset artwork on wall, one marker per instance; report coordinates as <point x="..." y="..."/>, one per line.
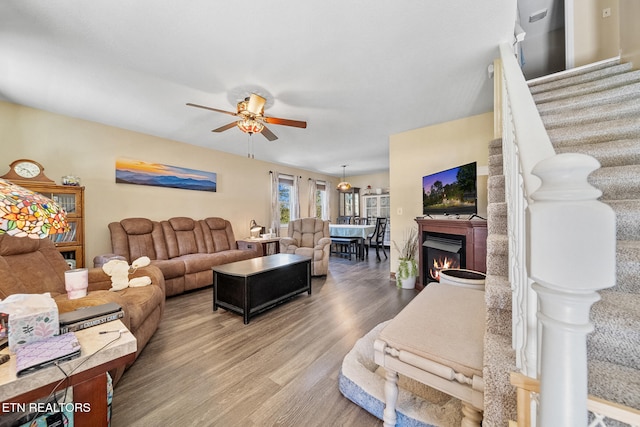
<point x="159" y="175"/>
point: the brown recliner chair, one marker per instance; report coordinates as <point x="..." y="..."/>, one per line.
<point x="309" y="237"/>
<point x="31" y="266"/>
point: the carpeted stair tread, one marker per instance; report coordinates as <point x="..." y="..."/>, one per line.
<point x="497" y="244"/>
<point x="627" y="267"/>
<point x="497" y="254"/>
<point x="617" y="182"/>
<point x="593" y="86"/>
<point x="499" y="395"/>
<point x="567" y="74"/>
<point x="616" y="335"/>
<point x="627" y="218"/>
<point x="579" y="78"/>
<point x="495" y="147"/>
<point x="611" y="130"/>
<point x="495" y="189"/>
<point x="497" y="292"/>
<point x="609" y="96"/>
<point x="613" y="382"/>
<point x="497" y="218"/>
<point x="499" y="322"/>
<point x="573" y="117"/>
<point x="495" y="164"/>
<point x="611" y="153"/>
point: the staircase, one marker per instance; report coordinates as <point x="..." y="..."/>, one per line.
<point x="596" y="112"/>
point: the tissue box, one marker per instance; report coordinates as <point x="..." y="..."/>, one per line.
<point x="26" y="328"/>
<point x="32" y="317"/>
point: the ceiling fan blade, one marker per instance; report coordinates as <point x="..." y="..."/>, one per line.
<point x="212" y="109"/>
<point x="256" y="104"/>
<point x="225" y="127"/>
<point x="268" y="134"/>
<point x="285" y="122"/>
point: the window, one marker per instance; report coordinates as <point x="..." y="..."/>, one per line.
<point x="285" y="189"/>
<point x="321" y="198"/>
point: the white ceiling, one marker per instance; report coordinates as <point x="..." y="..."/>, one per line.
<point x="357" y="71"/>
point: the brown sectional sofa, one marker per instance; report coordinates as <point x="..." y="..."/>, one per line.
<point x="30" y="266"/>
<point x="182" y="248"/>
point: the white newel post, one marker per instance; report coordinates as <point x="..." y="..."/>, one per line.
<point x="572" y="255"/>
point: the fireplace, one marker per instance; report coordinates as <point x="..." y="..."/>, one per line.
<point x="442" y="251"/>
<point x="469" y="235"/>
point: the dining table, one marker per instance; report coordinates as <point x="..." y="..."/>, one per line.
<point x="360" y="232"/>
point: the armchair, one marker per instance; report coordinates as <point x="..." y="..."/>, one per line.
<point x="309" y="237"/>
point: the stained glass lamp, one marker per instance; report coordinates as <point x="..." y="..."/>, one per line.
<point x="24" y="213"/>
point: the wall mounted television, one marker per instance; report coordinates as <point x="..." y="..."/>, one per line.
<point x="451" y="192"/>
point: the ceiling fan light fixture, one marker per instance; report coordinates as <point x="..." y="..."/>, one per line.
<point x="250" y="126"/>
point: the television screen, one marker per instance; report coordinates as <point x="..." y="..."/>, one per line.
<point x="450" y="192"/>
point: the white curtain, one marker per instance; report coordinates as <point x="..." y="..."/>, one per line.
<point x="295" y="198"/>
<point x="275" y="205"/>
<point x="326" y="206"/>
<point x="313" y="188"/>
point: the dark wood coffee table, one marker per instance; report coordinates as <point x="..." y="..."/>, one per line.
<point x="254" y="285"/>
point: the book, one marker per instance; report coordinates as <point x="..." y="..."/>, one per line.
<point x="87" y="317"/>
<point x="99" y="320"/>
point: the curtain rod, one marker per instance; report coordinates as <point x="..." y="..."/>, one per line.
<point x="299" y="176"/>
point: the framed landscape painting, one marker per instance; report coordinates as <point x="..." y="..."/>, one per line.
<point x="159" y="175"/>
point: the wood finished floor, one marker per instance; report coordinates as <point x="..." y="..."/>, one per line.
<point x="207" y="368"/>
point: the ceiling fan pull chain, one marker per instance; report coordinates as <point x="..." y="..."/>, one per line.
<point x="250" y="146"/>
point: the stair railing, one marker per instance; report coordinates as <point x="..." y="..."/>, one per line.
<point x="561" y="251"/>
<point x="601" y="411"/>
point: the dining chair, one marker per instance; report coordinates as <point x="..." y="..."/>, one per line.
<point x="377" y="238"/>
<point x="361" y="220"/>
<point x="343" y="220"/>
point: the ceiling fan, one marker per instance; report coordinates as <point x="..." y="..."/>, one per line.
<point x="251" y="118"/>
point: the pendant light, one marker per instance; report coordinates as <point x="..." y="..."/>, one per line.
<point x="344" y="185"/>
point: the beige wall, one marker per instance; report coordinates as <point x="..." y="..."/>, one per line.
<point x="379" y="180"/>
<point x="65" y="145"/>
<point x="630" y="31"/>
<point x="423" y="151"/>
<point x="595" y="38"/>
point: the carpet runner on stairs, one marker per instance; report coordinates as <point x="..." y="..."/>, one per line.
<point x="595" y="111"/>
<point x="609" y="130"/>
<point x="499" y="357"/>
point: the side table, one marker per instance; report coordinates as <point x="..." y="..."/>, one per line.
<point x="87" y="375"/>
<point x="269" y="246"/>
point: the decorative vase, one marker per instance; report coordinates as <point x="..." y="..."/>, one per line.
<point x="407" y="273"/>
<point x="409" y="282"/>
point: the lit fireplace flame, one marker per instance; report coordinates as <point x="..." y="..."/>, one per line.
<point x="442" y="264"/>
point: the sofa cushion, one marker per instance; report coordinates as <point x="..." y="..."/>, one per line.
<point x="182" y="223"/>
<point x="452" y="331"/>
<point x="137" y="226"/>
<point x="218" y="235"/>
<point x="183" y="237"/>
<point x="136" y="237"/>
<point x="19" y="256"/>
<point x="198" y="262"/>
<point x="141" y="302"/>
<point x="171" y="268"/>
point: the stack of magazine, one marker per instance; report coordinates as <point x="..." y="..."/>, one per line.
<point x="87" y="317"/>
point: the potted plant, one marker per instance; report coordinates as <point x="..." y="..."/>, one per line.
<point x="407" y="267"/>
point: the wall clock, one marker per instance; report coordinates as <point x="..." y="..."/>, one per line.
<point x="26" y="170"/>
